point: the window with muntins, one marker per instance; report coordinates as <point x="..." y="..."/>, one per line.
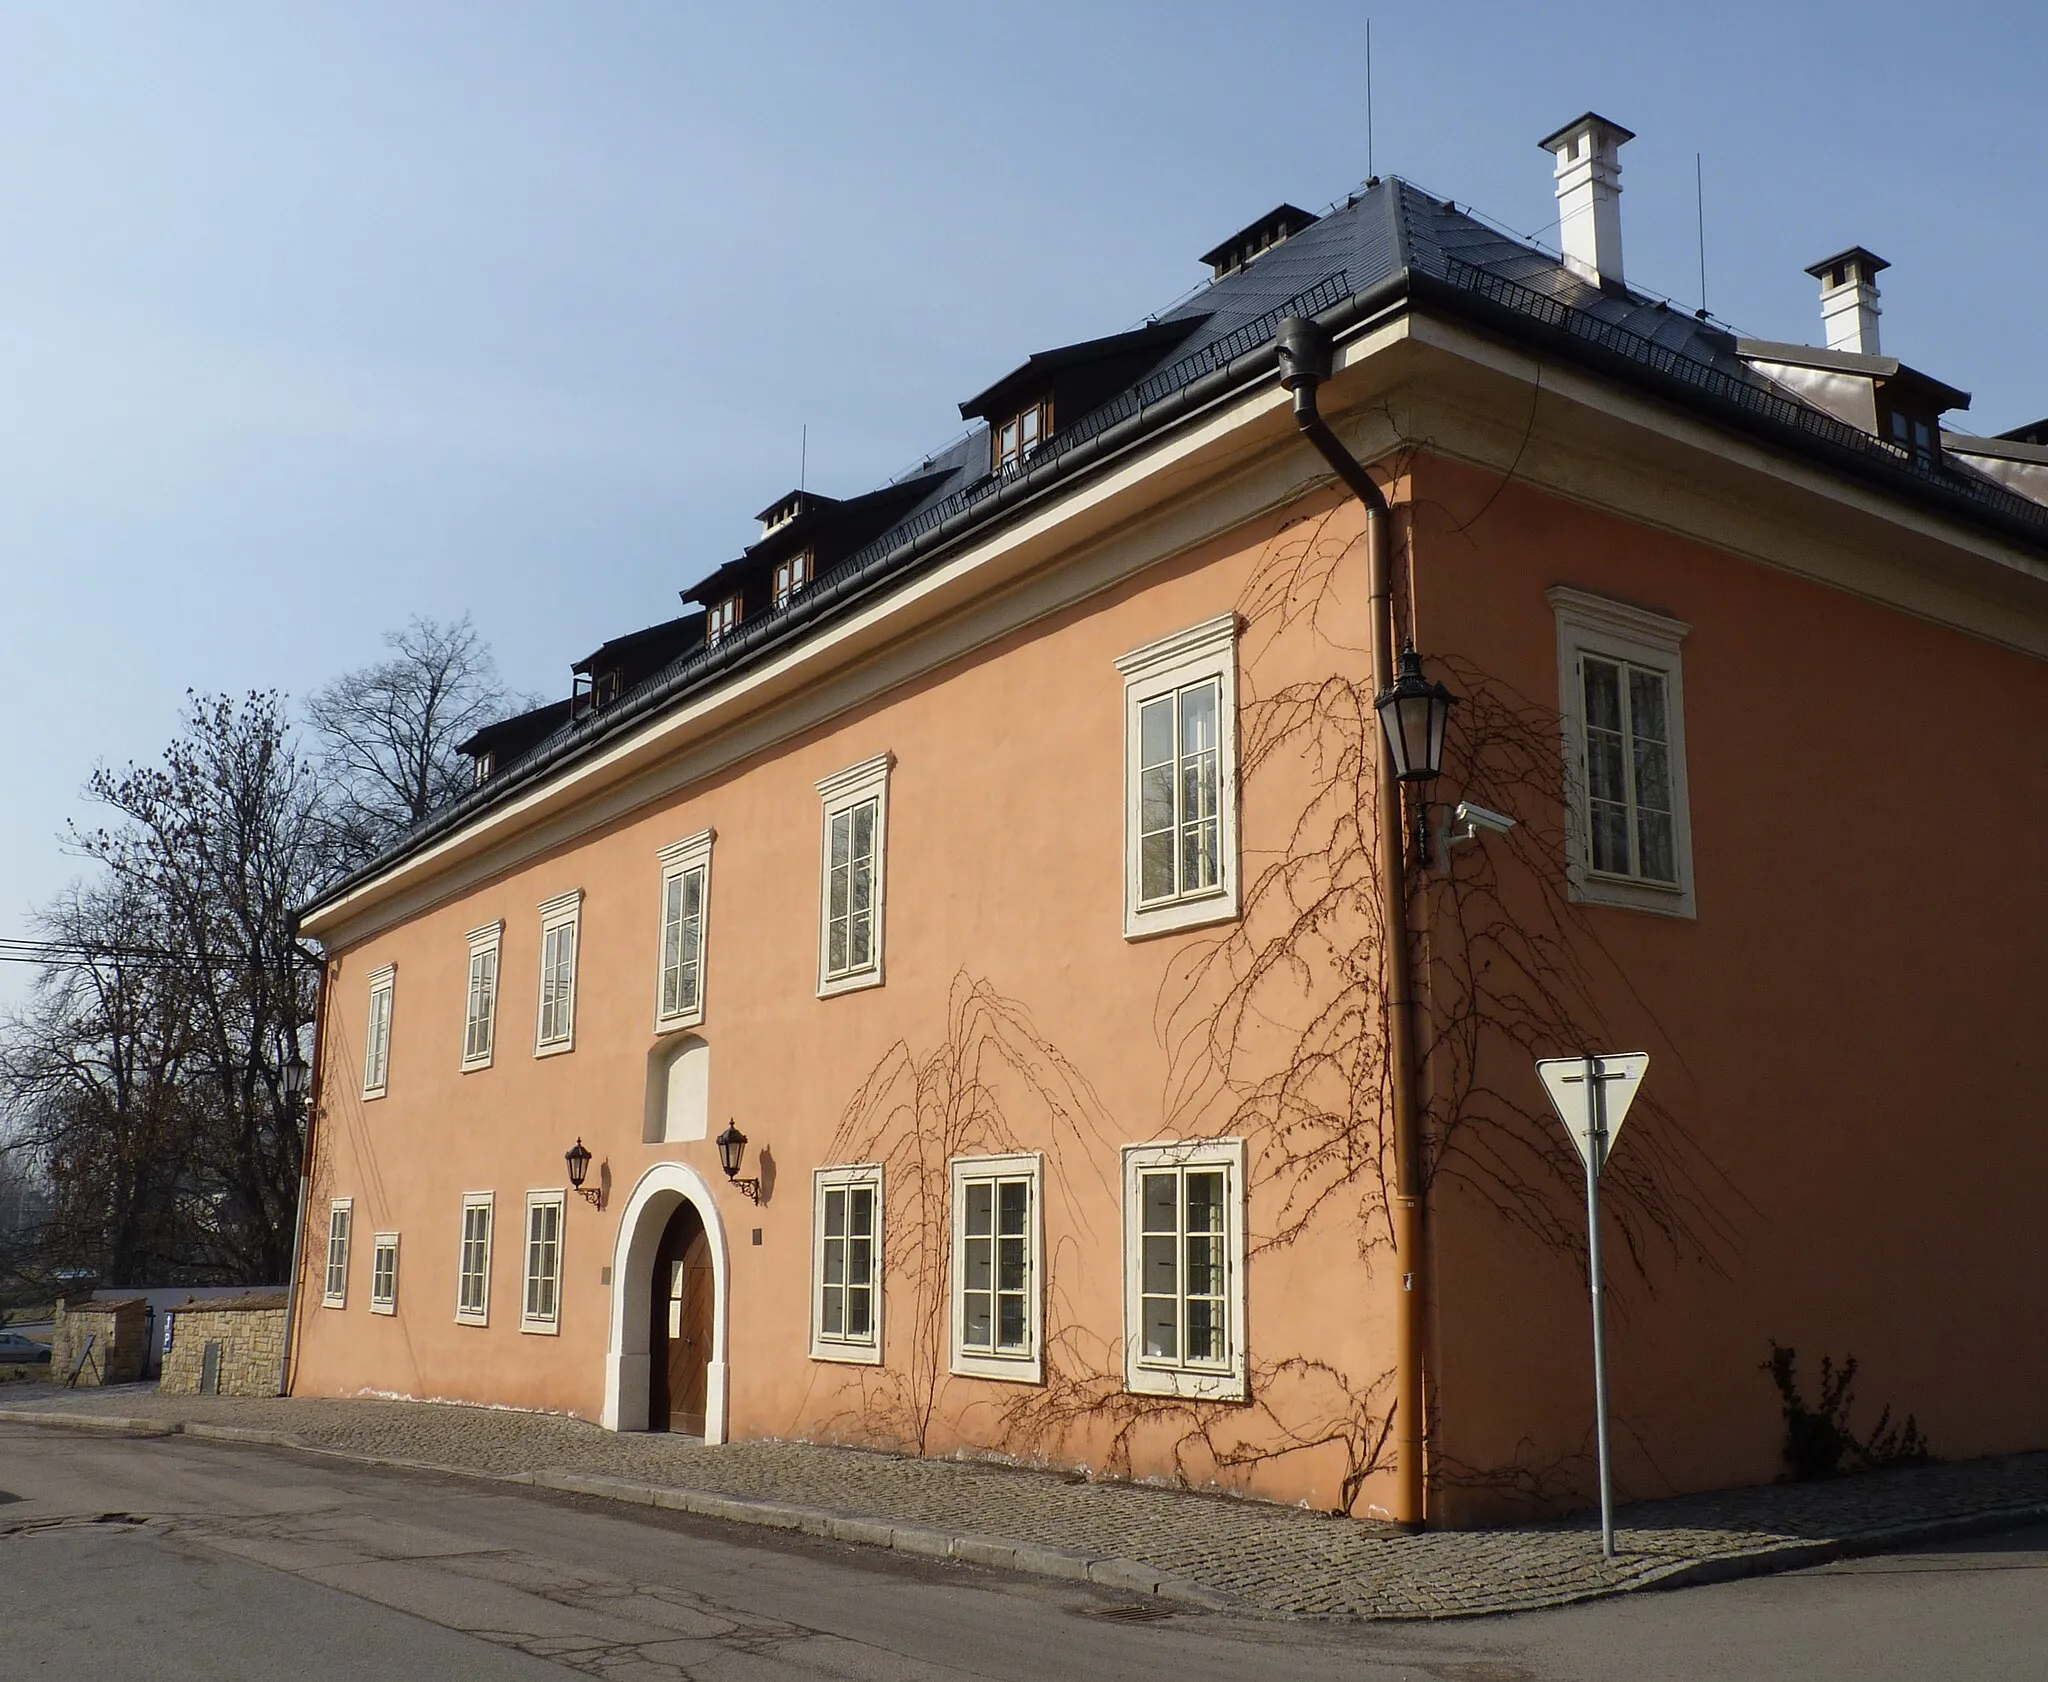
<point x="377" y="1033"/>
<point x="723" y="618"/>
<point x="559" y="921"/>
<point x="340" y="1216"/>
<point x="791" y="575"/>
<point x="1184" y="1266"/>
<point x="1626" y="808"/>
<point x="384" y="1273"/>
<point x="1018" y="436"/>
<point x="473" y="1273"/>
<point x="846" y="1310"/>
<point x="480" y="1018"/>
<point x="1180" y="774"/>
<point x="685" y="898"/>
<point x="996" y="1245"/>
<point x="542" y="1307"/>
<point x="856" y="805"/>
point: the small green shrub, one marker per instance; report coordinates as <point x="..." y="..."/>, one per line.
<point x="1818" y="1440"/>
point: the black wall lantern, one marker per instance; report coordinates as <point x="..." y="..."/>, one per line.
<point x="297" y="1077"/>
<point x="1413" y="714"/>
<point x="732" y="1149"/>
<point x="577" y="1156"/>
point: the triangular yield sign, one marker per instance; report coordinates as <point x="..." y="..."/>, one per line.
<point x="1566" y="1080"/>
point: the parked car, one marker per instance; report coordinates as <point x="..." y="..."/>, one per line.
<point x="17" y="1350"/>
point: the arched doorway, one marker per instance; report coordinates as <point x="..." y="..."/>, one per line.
<point x="645" y="1239"/>
<point x="681" y="1296"/>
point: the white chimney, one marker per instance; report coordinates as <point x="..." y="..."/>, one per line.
<point x="1848" y="299"/>
<point x="1588" y="153"/>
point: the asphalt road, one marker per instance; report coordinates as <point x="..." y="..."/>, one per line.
<point x="168" y="1559"/>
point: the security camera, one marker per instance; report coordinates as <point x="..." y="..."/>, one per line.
<point x="1476" y="818"/>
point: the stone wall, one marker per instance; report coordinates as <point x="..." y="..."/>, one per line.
<point x="250" y="1331"/>
<point x="119" y="1332"/>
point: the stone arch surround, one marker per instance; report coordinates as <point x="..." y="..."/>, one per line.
<point x="647" y="1212"/>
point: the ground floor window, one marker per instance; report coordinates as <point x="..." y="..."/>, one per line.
<point x="846" y="1248"/>
<point x="340" y="1214"/>
<point x="473" y="1276"/>
<point x="1184" y="1269"/>
<point x="384" y="1273"/>
<point x="541" y="1309"/>
<point x="996" y="1249"/>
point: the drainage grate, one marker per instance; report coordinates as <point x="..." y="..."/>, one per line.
<point x="1128" y="1612"/>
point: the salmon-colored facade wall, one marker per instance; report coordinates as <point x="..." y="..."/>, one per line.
<point x="1004" y="953"/>
<point x="1839" y="1146"/>
<point x="1847" y="1035"/>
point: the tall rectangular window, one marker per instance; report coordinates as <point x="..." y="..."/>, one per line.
<point x="480" y="1018"/>
<point x="996" y="1247"/>
<point x="846" y="1306"/>
<point x="340" y="1216"/>
<point x="1180" y="780"/>
<point x="377" y="1033"/>
<point x="541" y="1310"/>
<point x="473" y="1272"/>
<point x="723" y="618"/>
<point x="559" y="922"/>
<point x="384" y="1273"/>
<point x="1621" y="694"/>
<point x="856" y="806"/>
<point x="1184" y="1269"/>
<point x="685" y="899"/>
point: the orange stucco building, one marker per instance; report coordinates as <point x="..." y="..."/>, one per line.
<point x="995" y="853"/>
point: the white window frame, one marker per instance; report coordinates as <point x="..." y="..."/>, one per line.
<point x="487" y="1201"/>
<point x="565" y="911"/>
<point x="549" y="1324"/>
<point x="1612" y="630"/>
<point x="341" y="1219"/>
<point x="377" y="1032"/>
<point x="484" y="943"/>
<point x="843" y="792"/>
<point x="1201" y="653"/>
<point x="1027" y="1365"/>
<point x="691" y="854"/>
<point x="1150" y="1375"/>
<point x="867" y="1350"/>
<point x="381" y="1245"/>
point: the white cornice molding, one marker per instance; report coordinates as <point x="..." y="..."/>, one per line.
<point x="1620" y="617"/>
<point x="1212" y="636"/>
<point x="857" y="779"/>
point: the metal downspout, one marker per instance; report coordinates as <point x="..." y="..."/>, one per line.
<point x="1305" y="355"/>
<point x="291" y="1315"/>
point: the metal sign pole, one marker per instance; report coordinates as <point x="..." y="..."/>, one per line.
<point x="1596" y="1159"/>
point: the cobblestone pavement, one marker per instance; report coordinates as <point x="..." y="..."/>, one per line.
<point x="1261" y="1558"/>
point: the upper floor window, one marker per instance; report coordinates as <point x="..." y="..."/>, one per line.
<point x="484" y="764"/>
<point x="723" y="619"/>
<point x="559" y="922"/>
<point x="791" y="575"/>
<point x="1180" y="780"/>
<point x="480" y="1017"/>
<point x="996" y="1250"/>
<point x="685" y="899"/>
<point x="1623" y="704"/>
<point x="850" y="922"/>
<point x="1915" y="435"/>
<point x="1184" y="1269"/>
<point x="377" y="1035"/>
<point x="1018" y="436"/>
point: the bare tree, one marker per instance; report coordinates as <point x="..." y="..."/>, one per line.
<point x="385" y="736"/>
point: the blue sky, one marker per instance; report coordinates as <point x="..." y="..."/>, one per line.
<point x="313" y="316"/>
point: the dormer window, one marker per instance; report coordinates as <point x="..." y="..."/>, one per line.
<point x="723" y="619"/>
<point x="1018" y="436"/>
<point x="791" y="575"/>
<point x="1915" y="434"/>
<point x="486" y="763"/>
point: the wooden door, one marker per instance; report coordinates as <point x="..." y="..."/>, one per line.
<point x="679" y="1347"/>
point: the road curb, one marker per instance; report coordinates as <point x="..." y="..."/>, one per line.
<point x="1036" y="1559"/>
